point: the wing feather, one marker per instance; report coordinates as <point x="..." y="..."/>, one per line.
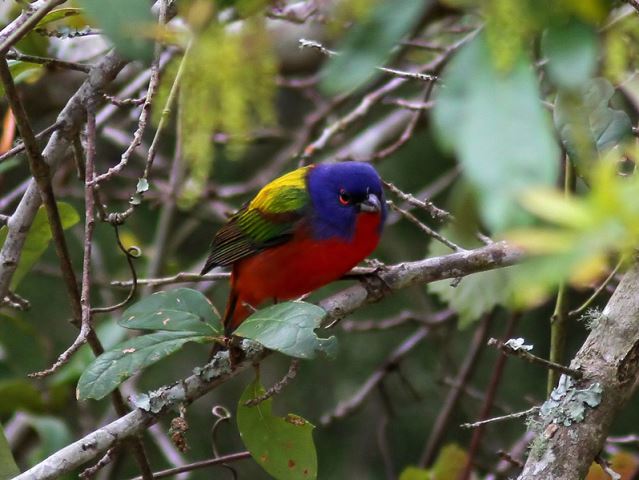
<point x="268" y="220"/>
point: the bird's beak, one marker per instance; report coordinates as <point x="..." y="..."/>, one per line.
<point x="371" y="204"/>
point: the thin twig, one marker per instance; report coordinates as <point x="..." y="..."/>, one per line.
<point x="185" y="277"/>
<point x="48" y="62"/>
<point x="631" y="438"/>
<point x="231" y="457"/>
<point x="529" y="357"/>
<point x="119" y="217"/>
<point x="403" y="317"/>
<point x="607" y="468"/>
<point x="297" y="13"/>
<point x="315" y="45"/>
<point x="154" y="82"/>
<point x="502" y="418"/>
<point x="130" y="253"/>
<point x="423" y="77"/>
<point x="425" y="228"/>
<point x="382" y="433"/>
<point x="163" y="230"/>
<point x="510" y="459"/>
<point x="20" y="146"/>
<point x="103" y="462"/>
<point x="278" y="386"/>
<point x="426" y="205"/>
<point x="372" y="98"/>
<point x="582" y="308"/>
<point x="410" y="105"/>
<point x="124" y="102"/>
<point x="89" y="199"/>
<point x="408" y="131"/>
<point x="425" y="44"/>
<point x="634" y="4"/>
<point x="181" y="277"/>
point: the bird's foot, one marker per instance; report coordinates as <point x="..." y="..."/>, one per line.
<point x="232" y="345"/>
<point x="378" y="265"/>
<point x="375" y="284"/>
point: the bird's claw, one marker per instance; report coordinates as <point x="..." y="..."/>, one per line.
<point x="376" y="286"/>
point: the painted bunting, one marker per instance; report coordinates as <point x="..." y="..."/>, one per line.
<point x="303" y="230"/>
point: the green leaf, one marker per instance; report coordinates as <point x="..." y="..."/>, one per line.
<point x="182" y="309"/>
<point x="587" y="125"/>
<point x="59" y="14"/>
<point x="571" y="51"/>
<point x="448" y="466"/>
<point x="450" y="463"/>
<point x="24" y="72"/>
<point x="288" y="328"/>
<point x="283" y="446"/>
<point x="477" y="120"/>
<point x="38" y="238"/>
<point x="126" y="359"/>
<point x="369" y="44"/>
<point x="128" y="24"/>
<point x="415" y="473"/>
<point x="8" y="467"/>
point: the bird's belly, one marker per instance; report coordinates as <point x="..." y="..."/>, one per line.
<point x="303" y="264"/>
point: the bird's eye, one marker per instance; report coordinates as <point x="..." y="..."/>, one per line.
<point x="344" y="197"/>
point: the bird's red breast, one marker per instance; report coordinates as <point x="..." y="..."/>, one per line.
<point x="299" y="266"/>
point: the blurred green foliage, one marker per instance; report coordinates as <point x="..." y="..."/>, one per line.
<point x="475" y="120"/>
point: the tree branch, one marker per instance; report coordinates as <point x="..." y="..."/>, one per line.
<point x="218" y="371"/>
<point x="608" y="358"/>
<point x="70" y="120"/>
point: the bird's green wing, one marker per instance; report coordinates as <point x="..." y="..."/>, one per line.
<point x="268" y="220"/>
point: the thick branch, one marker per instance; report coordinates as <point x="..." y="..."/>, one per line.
<point x="403" y="275"/>
<point x="610" y="358"/>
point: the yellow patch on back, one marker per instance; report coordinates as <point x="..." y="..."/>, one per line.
<point x="292" y="180"/>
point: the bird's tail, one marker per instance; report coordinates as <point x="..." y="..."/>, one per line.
<point x="236" y="312"/>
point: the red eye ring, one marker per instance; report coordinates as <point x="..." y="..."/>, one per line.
<point x="344" y="197"/>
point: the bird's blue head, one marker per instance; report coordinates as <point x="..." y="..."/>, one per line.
<point x="340" y="192"/>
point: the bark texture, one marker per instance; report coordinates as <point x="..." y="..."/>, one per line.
<point x="609" y="359"/>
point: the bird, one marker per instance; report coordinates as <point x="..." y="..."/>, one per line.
<point x="300" y="232"/>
